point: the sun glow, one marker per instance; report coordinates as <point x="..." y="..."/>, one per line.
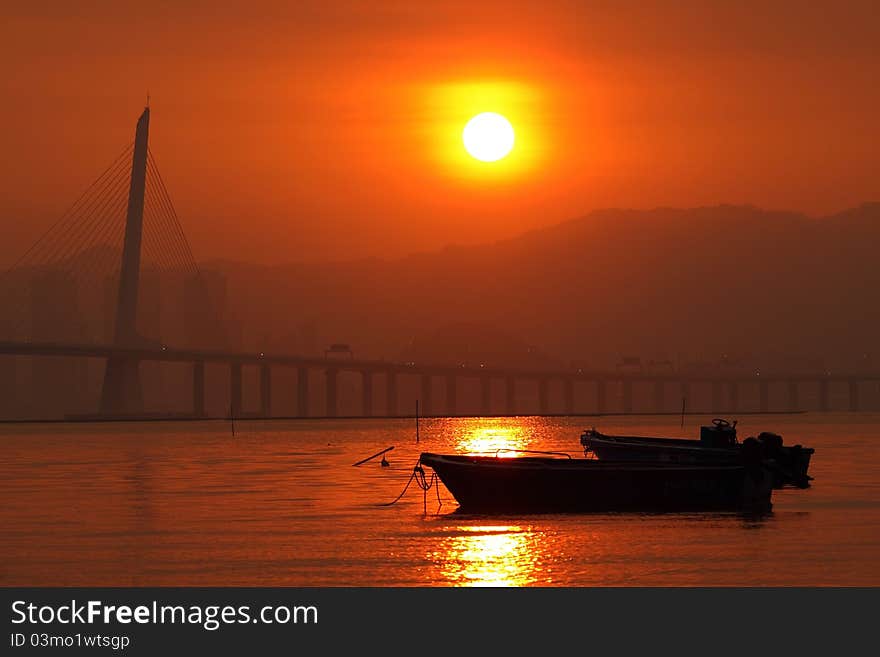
<point x="485" y="132"/>
<point x="488" y="137"/>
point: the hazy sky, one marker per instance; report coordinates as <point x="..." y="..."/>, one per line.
<point x="290" y="130"/>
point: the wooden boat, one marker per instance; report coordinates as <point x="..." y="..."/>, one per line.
<point x="544" y="484"/>
<point x="717" y="445"/>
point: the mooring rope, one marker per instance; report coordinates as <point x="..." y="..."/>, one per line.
<point x="405" y="488"/>
<point x="418" y="474"/>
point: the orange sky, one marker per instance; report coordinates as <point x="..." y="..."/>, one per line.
<point x="291" y="130"/>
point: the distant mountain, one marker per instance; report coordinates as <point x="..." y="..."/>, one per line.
<point x="668" y="283"/>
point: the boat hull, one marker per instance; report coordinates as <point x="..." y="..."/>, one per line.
<point x="547" y="485"/>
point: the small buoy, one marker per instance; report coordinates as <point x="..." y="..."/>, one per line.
<point x="384" y="462"/>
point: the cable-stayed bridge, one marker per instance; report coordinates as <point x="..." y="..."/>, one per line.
<point x="113" y="286"/>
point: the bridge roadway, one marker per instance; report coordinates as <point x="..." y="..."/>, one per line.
<point x="391" y="370"/>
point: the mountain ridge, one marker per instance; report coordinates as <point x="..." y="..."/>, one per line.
<point x="668" y="282"/>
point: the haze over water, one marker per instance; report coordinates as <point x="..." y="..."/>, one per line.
<point x="280" y="504"/>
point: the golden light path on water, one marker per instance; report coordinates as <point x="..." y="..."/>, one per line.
<point x="489" y="555"/>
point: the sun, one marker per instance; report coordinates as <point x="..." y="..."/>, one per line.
<point x="488" y="137"/>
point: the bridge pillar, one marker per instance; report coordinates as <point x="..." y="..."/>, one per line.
<point x="601" y="396"/>
<point x="627" y="396"/>
<point x="235" y="389"/>
<point x="793" y="402"/>
<point x="121" y="391"/>
<point x="659" y="397"/>
<point x="568" y="393"/>
<point x="734" y="396"/>
<point x="510" y="395"/>
<point x="686" y="394"/>
<point x="485" y="395"/>
<point x="302" y="391"/>
<point x="853" y="395"/>
<point x="824" y="404"/>
<point x="451" y="396"/>
<point x="427" y="388"/>
<point x="764" y="395"/>
<point x="332" y="394"/>
<point x="9" y="398"/>
<point x="199" y="388"/>
<point x="391" y="393"/>
<point x="543" y="396"/>
<point x="366" y="393"/>
<point x="265" y="390"/>
<point x="717" y="403"/>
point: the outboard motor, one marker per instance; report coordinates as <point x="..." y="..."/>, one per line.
<point x="772" y="444"/>
<point x="758" y="481"/>
<point x="751" y="454"/>
<point x="721" y="434"/>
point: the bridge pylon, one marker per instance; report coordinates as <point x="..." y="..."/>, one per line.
<point x="121" y="393"/>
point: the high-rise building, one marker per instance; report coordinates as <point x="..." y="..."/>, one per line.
<point x="58" y="384"/>
<point x="204" y="310"/>
<point x="149" y="311"/>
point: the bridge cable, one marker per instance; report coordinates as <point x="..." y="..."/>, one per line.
<point x="75" y="223"/>
<point x="85" y="257"/>
<point x="111" y="236"/>
<point x="77" y="233"/>
<point x="73" y="207"/>
<point x="210" y="305"/>
<point x="153" y="234"/>
<point x="90" y="229"/>
<point x="53" y="247"/>
<point x="167" y="213"/>
<point x="164" y="230"/>
<point x="80" y="268"/>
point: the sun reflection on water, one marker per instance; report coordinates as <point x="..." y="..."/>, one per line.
<point x="494" y="435"/>
<point x="489" y="556"/>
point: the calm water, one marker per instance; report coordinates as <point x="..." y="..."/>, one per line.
<point x="280" y="504"/>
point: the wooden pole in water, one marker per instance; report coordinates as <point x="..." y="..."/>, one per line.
<point x="417" y="421"/>
<point x="369" y="458"/>
<point x="232" y="420"/>
<point x="683" y="402"/>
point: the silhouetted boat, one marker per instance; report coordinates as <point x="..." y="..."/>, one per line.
<point x="546" y="484"/>
<point x="717" y="446"/>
